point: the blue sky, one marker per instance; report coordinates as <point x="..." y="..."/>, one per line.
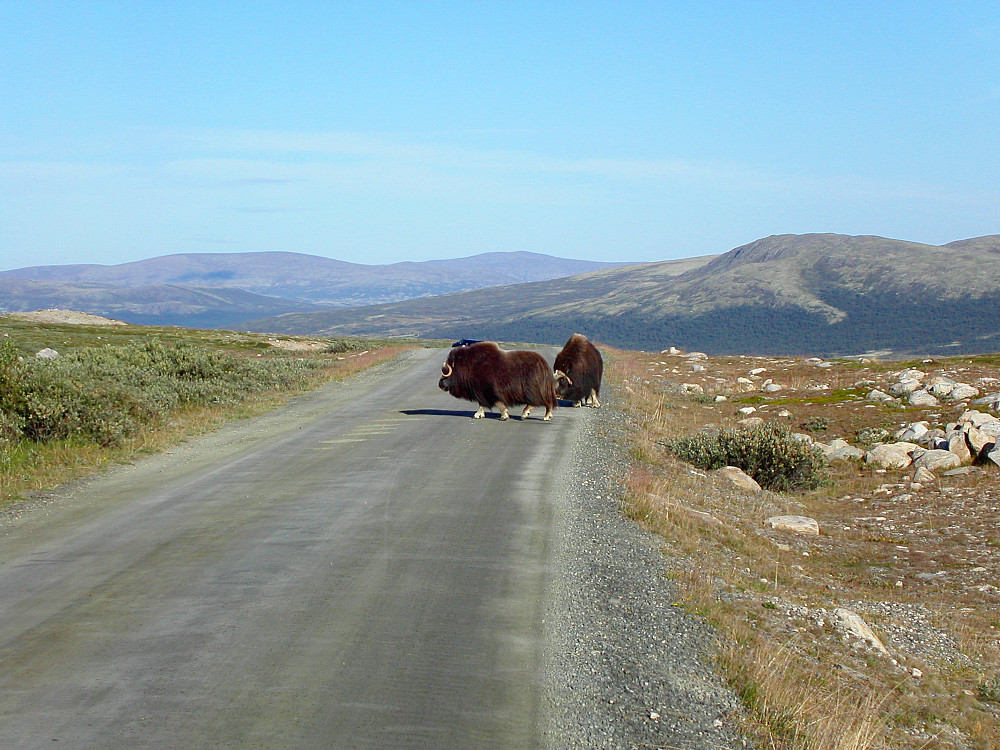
<point x="384" y="131"/>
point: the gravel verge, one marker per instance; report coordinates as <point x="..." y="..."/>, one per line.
<point x="625" y="667"/>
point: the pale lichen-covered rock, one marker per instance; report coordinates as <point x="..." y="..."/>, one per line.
<point x="794" y="524"/>
<point x="937" y="460"/>
<point x="923" y="398"/>
<point x="963" y="392"/>
<point x="923" y="475"/>
<point x="737" y="477"/>
<point x="957" y="444"/>
<point x="878" y="396"/>
<point x="845" y="453"/>
<point x="891" y="455"/>
<point x="904" y="387"/>
<point x="46" y="353"/>
<point x="851" y="622"/>
<point x="979" y="440"/>
<point x="772" y="388"/>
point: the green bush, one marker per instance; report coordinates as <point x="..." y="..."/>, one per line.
<point x="767" y="452"/>
<point x="107" y="393"/>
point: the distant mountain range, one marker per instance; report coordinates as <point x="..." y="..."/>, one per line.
<point x="822" y="294"/>
<point x="213" y="290"/>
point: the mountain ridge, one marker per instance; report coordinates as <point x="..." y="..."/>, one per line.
<point x="785" y="294"/>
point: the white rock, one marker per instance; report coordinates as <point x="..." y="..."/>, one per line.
<point x="745" y="384"/>
<point x="748" y="410"/>
<point x="772" y="388"/>
<point x="757" y="371"/>
<point x="963" y="392"/>
<point x="923" y="475"/>
<point x="923" y="398"/>
<point x="697" y="368"/>
<point x="878" y="396"/>
<point x="851" y="622"/>
<point x="937" y="460"/>
<point x="692" y="388"/>
<point x="904" y="387"/>
<point x="47" y="353"/>
<point x="795" y="524"/>
<point x="958" y="445"/>
<point x="736" y="476"/>
<point x="891" y="455"/>
<point x="697" y="355"/>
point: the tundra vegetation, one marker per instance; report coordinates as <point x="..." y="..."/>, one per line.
<point x="915" y="554"/>
<point x="114" y="392"/>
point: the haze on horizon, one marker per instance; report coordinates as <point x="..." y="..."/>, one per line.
<point x="376" y="133"/>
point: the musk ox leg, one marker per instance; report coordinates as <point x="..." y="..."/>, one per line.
<point x="594" y="401"/>
<point x="480" y="413"/>
<point x="526" y="412"/>
<point x="504" y="414"/>
<point x="548" y="414"/>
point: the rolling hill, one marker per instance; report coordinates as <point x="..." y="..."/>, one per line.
<point x="315" y="280"/>
<point x="824" y="294"/>
<point x="154" y="304"/>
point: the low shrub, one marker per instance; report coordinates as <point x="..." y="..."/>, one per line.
<point x="767" y="452"/>
<point x="108" y="393"/>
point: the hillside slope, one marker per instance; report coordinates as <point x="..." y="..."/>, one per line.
<point x="156" y="304"/>
<point x="314" y="279"/>
<point x="787" y="294"/>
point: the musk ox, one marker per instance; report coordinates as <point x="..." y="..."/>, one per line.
<point x="491" y="377"/>
<point x="578" y="370"/>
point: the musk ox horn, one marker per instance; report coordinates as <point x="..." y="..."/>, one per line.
<point x="447" y="370"/>
<point x="560" y="374"/>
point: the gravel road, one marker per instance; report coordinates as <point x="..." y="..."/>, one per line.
<point x="365" y="568"/>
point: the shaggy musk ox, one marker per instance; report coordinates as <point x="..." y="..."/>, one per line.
<point x="491" y="377"/>
<point x="578" y="370"/>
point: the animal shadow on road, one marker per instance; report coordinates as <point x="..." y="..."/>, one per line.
<point x="452" y="413"/>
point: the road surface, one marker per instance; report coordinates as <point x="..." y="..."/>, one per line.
<point x="365" y="569"/>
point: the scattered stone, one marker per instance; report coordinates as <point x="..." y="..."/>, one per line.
<point x="757" y="371"/>
<point x="851" y="622"/>
<point x="692" y="388"/>
<point x="958" y="445"/>
<point x="795" y="524"/>
<point x="697" y="355"/>
<point x="878" y="396"/>
<point x="960" y="471"/>
<point x="923" y="398"/>
<point x="745" y="384"/>
<point x="47" y="353"/>
<point x="772" y="388"/>
<point x="891" y="455"/>
<point x="736" y="476"/>
<point x="963" y="392"/>
<point x="923" y="475"/>
<point x="937" y="460"/>
<point x="748" y="410"/>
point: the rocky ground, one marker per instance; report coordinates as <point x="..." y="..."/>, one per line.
<point x="912" y="547"/>
<point x="629" y="668"/>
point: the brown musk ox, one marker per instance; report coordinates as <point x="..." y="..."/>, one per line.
<point x="493" y="378"/>
<point x="578" y="371"/>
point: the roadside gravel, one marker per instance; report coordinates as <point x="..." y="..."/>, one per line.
<point x="625" y="667"/>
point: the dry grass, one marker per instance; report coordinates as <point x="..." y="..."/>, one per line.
<point x="771" y="595"/>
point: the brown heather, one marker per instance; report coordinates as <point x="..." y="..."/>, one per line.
<point x="770" y="595"/>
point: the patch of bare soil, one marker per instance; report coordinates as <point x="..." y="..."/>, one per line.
<point x="70" y="317"/>
<point x="919" y="561"/>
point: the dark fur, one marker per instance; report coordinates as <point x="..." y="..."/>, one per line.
<point x="487" y="375"/>
<point x="583" y="363"/>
